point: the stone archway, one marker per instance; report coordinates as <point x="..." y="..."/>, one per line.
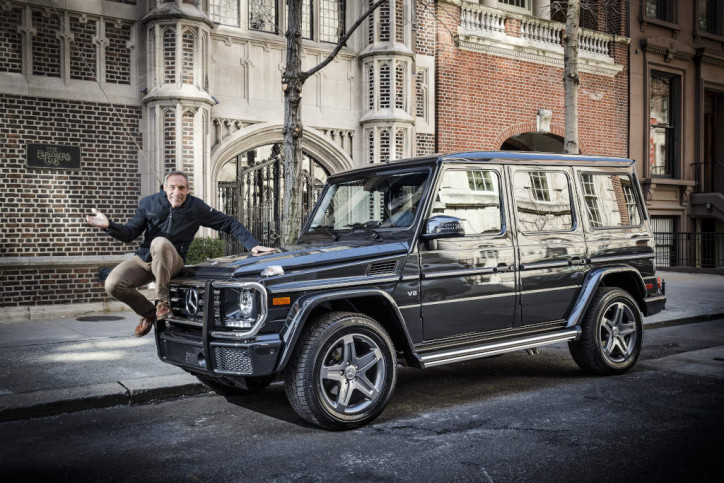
<point x="530" y="141"/>
<point x="520" y="136"/>
<point x="250" y="190"/>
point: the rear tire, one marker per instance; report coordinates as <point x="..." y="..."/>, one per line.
<point x="611" y="333"/>
<point x="342" y="372"/>
<point x="225" y="388"/>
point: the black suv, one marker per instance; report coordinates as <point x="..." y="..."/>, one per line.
<point x="426" y="262"/>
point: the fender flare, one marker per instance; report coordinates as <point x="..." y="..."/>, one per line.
<point x="590" y="285"/>
<point x="299" y="313"/>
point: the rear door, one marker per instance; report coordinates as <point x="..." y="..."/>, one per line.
<point x="551" y="244"/>
<point x="468" y="283"/>
<point x="614" y="224"/>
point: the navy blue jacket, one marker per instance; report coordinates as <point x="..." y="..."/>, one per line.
<point x="157" y="218"/>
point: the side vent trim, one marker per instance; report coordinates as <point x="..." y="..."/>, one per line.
<point x="381" y="268"/>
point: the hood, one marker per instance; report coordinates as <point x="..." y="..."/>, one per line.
<point x="295" y="258"/>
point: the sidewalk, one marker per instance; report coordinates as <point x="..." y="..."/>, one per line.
<point x="56" y="365"/>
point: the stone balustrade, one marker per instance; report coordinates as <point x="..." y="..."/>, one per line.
<point x="475" y="18"/>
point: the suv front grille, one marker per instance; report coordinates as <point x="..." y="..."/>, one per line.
<point x="188" y="302"/>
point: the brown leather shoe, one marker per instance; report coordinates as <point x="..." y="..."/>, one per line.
<point x="163" y="309"/>
<point x="143" y="327"/>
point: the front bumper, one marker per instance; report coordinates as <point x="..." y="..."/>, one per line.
<point x="194" y="350"/>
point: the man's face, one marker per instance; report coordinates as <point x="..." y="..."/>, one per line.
<point x="176" y="190"/>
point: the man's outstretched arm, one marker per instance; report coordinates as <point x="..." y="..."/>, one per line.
<point x="125" y="233"/>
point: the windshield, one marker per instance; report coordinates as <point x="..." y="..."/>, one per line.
<point x="380" y="201"/>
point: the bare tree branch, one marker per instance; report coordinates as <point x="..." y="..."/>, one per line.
<point x="342" y="42"/>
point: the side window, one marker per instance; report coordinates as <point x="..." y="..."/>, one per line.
<point x="543" y="201"/>
<point x="610" y="200"/>
<point x="473" y="196"/>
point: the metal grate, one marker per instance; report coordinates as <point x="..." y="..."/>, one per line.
<point x="186" y="354"/>
<point x="380" y="268"/>
<point x="233" y="359"/>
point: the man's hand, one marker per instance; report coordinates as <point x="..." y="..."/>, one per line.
<point x="262" y="250"/>
<point x="98" y="219"/>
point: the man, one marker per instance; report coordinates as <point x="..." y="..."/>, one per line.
<point x="170" y="219"/>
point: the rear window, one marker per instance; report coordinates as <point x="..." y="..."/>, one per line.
<point x="610" y="200"/>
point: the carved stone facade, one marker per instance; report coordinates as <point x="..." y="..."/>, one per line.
<point x="145" y="86"/>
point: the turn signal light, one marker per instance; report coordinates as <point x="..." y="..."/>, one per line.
<point x="281" y="300"/>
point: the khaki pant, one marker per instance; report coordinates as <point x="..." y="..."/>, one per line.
<point x="123" y="281"/>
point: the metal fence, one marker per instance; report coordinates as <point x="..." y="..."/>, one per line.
<point x="697" y="250"/>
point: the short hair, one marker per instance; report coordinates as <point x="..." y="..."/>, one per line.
<point x="176" y="173"/>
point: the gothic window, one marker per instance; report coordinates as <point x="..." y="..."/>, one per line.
<point x="331" y="20"/>
<point x="400" y="144"/>
<point x="399" y="21"/>
<point x="371" y="85"/>
<point x="263" y="15"/>
<point x="400" y="91"/>
<point x="307" y="19"/>
<point x="384" y="145"/>
<point x="371" y="146"/>
<point x="169" y="52"/>
<point x="83" y="51"/>
<point x="11" y="41"/>
<point x="385" y="85"/>
<point x="371" y="25"/>
<point x="384" y="22"/>
<point x="187" y="47"/>
<point x="46" y="46"/>
<point x="225" y="12"/>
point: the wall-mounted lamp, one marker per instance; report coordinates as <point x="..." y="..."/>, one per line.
<point x="708" y="206"/>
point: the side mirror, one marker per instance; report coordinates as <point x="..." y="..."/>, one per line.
<point x="442" y="226"/>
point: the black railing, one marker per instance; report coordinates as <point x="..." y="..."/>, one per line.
<point x="696" y="250"/>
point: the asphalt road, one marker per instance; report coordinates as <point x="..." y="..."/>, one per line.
<point x="510" y="418"/>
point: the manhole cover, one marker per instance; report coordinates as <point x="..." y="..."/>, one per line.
<point x="99" y="318"/>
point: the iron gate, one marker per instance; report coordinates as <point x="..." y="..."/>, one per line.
<point x="254" y="198"/>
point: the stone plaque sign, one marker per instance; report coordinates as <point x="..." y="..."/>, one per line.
<point x="51" y="156"/>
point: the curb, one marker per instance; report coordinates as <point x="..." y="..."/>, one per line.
<point x="50" y="402"/>
<point x="684" y="320"/>
<point x="14" y="407"/>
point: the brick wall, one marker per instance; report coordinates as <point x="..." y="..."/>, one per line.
<point x="187" y="53"/>
<point x="43" y="209"/>
<point x="83" y="51"/>
<point x="425" y="31"/>
<point x="118" y="55"/>
<point x="486" y="95"/>
<point x="425" y="144"/>
<point x="46" y="48"/>
<point x="11" y="42"/>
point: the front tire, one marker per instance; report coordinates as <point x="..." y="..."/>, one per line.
<point x="611" y="334"/>
<point x="342" y="372"/>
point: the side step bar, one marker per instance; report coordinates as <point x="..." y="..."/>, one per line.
<point x="494" y="348"/>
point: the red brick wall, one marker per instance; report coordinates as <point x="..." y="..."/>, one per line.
<point x="486" y="96"/>
<point x="43" y="209"/>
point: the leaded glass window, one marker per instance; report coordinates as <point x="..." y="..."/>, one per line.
<point x="263" y="15"/>
<point x="225" y="12"/>
<point x="331" y="20"/>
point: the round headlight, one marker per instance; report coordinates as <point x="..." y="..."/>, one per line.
<point x="246" y="303"/>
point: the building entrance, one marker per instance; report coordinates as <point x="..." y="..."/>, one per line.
<point x="250" y="188"/>
<point x="531" y="141"/>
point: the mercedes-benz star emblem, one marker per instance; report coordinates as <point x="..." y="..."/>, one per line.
<point x="192" y="302"/>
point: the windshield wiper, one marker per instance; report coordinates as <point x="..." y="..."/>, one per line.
<point x="363" y="226"/>
<point x="328" y="230"/>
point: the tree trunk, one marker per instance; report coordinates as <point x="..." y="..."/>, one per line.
<point x="571" y="80"/>
<point x="292" y="84"/>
